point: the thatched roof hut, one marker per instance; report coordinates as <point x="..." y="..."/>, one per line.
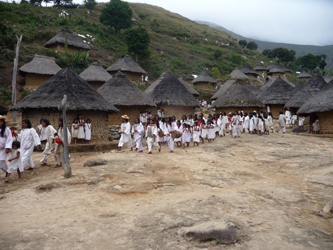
<point x="237" y="96"/>
<point x="172" y="96"/>
<point x="299" y="86"/>
<point x="74" y="42"/>
<point x="222" y="89"/>
<point x="238" y="74"/>
<point x="260" y="67"/>
<point x="249" y="71"/>
<point x="81" y="98"/>
<point x="272" y="65"/>
<point x="304" y="75"/>
<point x="286" y="69"/>
<point x="270" y="80"/>
<point x="203" y="80"/>
<point x="189" y="87"/>
<point x="38" y="71"/>
<point x="95" y="75"/>
<point x="275" y="72"/>
<point x="123" y="94"/>
<point x="315" y="84"/>
<point x="129" y="67"/>
<point x="328" y="78"/>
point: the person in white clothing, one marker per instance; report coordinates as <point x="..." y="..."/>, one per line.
<point x="6" y="141"/>
<point x="270" y="121"/>
<point x="28" y="138"/>
<point x="137" y="131"/>
<point x="87" y="130"/>
<point x="246" y="123"/>
<point x="80" y="134"/>
<point x="223" y="123"/>
<point x="235" y="125"/>
<point x="151" y="135"/>
<point x="301" y="121"/>
<point x="316" y="127"/>
<point x="59" y="148"/>
<point x="40" y="127"/>
<point x="125" y="130"/>
<point x="196" y="133"/>
<point x="288" y="116"/>
<point x="15" y="163"/>
<point x="75" y="130"/>
<point x="49" y="147"/>
<point x="282" y="123"/>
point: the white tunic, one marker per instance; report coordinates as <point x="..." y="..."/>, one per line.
<point x="41" y="129"/>
<point x="252" y="121"/>
<point x="125" y="131"/>
<point x="49" y="133"/>
<point x="80" y="134"/>
<point x="15" y="164"/>
<point x="87" y="131"/>
<point x="270" y="121"/>
<point x="60" y="146"/>
<point x="75" y="130"/>
<point x="246" y="124"/>
<point x="139" y="128"/>
<point x="211" y="131"/>
<point x="5" y="142"/>
<point x="196" y="133"/>
<point x="288" y="117"/>
<point x="301" y="121"/>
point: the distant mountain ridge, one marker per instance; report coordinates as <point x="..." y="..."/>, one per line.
<point x="301" y="50"/>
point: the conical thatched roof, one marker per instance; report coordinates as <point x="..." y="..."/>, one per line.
<point x="247" y="69"/>
<point x="80" y="95"/>
<point x="72" y="40"/>
<point x="299" y="86"/>
<point x="270" y="80"/>
<point x="279" y="92"/>
<point x="170" y="91"/>
<point x="260" y="67"/>
<point x="272" y="65"/>
<point x="252" y="89"/>
<point x="189" y="87"/>
<point x="238" y="74"/>
<point x="237" y="95"/>
<point x="275" y="70"/>
<point x="126" y="64"/>
<point x="304" y="74"/>
<point x="41" y="65"/>
<point x="328" y="78"/>
<point x="223" y="88"/>
<point x="286" y="69"/>
<point x="204" y="77"/>
<point x="95" y="73"/>
<point x="120" y="91"/>
<point x="315" y="84"/>
<point x="321" y="102"/>
<point x="152" y="86"/>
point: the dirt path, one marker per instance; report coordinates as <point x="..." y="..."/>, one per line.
<point x="272" y="187"/>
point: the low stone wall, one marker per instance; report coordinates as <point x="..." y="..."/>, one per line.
<point x="114" y="132"/>
<point x="326" y="122"/>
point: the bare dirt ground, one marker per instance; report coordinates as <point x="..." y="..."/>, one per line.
<point x="273" y="188"/>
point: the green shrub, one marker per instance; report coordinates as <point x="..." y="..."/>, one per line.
<point x="157" y="71"/>
<point x="5" y="95"/>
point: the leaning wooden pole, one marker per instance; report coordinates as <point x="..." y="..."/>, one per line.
<point x="67" y="167"/>
<point x="19" y="40"/>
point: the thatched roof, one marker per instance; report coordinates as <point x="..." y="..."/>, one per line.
<point x="237" y="95"/>
<point x="119" y="91"/>
<point x="189" y="87"/>
<point x="321" y="102"/>
<point x="95" y="73"/>
<point x="275" y="70"/>
<point x="299" y="86"/>
<point x="247" y="69"/>
<point x="286" y="69"/>
<point x="222" y="89"/>
<point x="72" y="40"/>
<point x="126" y="64"/>
<point x="153" y="85"/>
<point x="272" y="65"/>
<point x="260" y="67"/>
<point x="315" y="84"/>
<point x="304" y="74"/>
<point x="251" y="88"/>
<point x="203" y="77"/>
<point x="170" y="91"/>
<point x="328" y="78"/>
<point x="41" y="65"/>
<point x="238" y="74"/>
<point x="80" y="95"/>
<point x="279" y="92"/>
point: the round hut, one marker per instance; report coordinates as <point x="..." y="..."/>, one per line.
<point x="261" y="70"/>
<point x="276" y="96"/>
<point x="321" y="107"/>
<point x="81" y="99"/>
<point x="74" y="43"/>
<point x="249" y="71"/>
<point x="222" y="89"/>
<point x="204" y="81"/>
<point x="172" y="96"/>
<point x="276" y="72"/>
<point x="125" y="96"/>
<point x="129" y="67"/>
<point x="95" y="75"/>
<point x="328" y="78"/>
<point x="238" y="74"/>
<point x="286" y="70"/>
<point x="271" y="65"/>
<point x="270" y="80"/>
<point x="38" y="71"/>
<point x="189" y="87"/>
<point x="304" y="75"/>
<point x="237" y="97"/>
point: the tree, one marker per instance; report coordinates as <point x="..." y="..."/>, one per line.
<point x="311" y="61"/>
<point x="138" y="40"/>
<point x="117" y="14"/>
<point x="266" y="52"/>
<point x="242" y="43"/>
<point x="90" y="4"/>
<point x="252" y="45"/>
<point x="60" y="3"/>
<point x="217" y="54"/>
<point x="215" y="72"/>
<point x="283" y="54"/>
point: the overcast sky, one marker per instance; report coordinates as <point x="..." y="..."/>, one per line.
<point x="286" y="21"/>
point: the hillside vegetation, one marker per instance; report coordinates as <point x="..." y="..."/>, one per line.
<point x="178" y="45"/>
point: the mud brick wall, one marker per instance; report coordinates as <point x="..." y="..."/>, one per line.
<point x="96" y="85"/>
<point x="177" y="111"/>
<point x="61" y="48"/>
<point x="137" y="77"/>
<point x="33" y="81"/>
<point x="99" y="120"/>
<point x="251" y="76"/>
<point x="204" y="86"/>
<point x="275" y="109"/>
<point x="326" y="122"/>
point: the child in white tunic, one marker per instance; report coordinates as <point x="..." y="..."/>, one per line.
<point x="40" y="127"/>
<point x="80" y="134"/>
<point x="137" y="131"/>
<point x="87" y="130"/>
<point x="211" y="130"/>
<point x="196" y="134"/>
<point x="75" y="130"/>
<point x="301" y="121"/>
<point x="15" y="162"/>
<point x="184" y="134"/>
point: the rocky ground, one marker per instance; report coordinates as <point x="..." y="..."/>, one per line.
<point x="253" y="192"/>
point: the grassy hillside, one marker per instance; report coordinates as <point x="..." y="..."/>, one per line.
<point x="301" y="50"/>
<point x="178" y="44"/>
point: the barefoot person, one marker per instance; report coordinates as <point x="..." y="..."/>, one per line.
<point x="15" y="163"/>
<point x="151" y="135"/>
<point x="49" y="133"/>
<point x="6" y="141"/>
<point x="125" y="130"/>
<point x="137" y="131"/>
<point x="28" y="139"/>
<point x="59" y="149"/>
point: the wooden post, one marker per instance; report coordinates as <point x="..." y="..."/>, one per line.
<point x="19" y="40"/>
<point x="67" y="167"/>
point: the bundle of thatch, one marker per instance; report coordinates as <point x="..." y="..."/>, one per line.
<point x="189" y="87"/>
<point x="72" y="40"/>
<point x="304" y="75"/>
<point x="315" y="84"/>
<point x="249" y="71"/>
<point x="260" y="67"/>
<point x="95" y="75"/>
<point x="41" y="65"/>
<point x="238" y="74"/>
<point x="272" y="65"/>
